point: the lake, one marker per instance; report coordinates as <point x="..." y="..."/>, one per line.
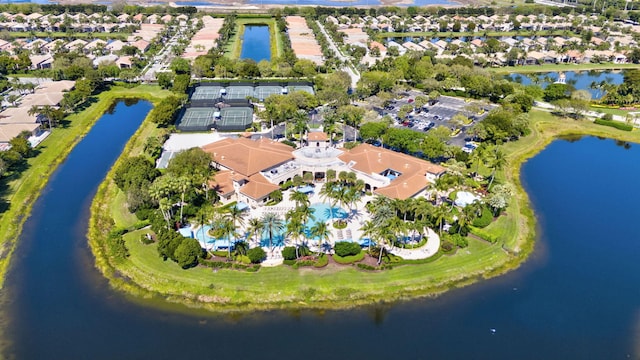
<point x="581" y="80"/>
<point x="576" y="298"/>
<point x="256" y="44"/>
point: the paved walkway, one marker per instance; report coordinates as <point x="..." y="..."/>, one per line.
<point x="429" y="249"/>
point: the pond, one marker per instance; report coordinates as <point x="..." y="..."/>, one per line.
<point x="576" y="298"/>
<point x="256" y="44"/>
<point x="581" y="80"/>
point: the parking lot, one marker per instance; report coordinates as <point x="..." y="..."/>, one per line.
<point x="438" y="114"/>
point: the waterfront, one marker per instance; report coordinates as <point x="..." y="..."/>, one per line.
<point x="575" y="298"/>
<point x="593" y="81"/>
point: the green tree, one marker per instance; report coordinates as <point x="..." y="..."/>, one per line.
<point x="165" y="79"/>
<point x="321" y="232"/>
<point x="256" y="255"/>
<point x="273" y="225"/>
<point x="188" y="253"/>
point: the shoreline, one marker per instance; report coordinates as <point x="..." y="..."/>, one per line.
<point x="127" y="277"/>
<point x="513" y="251"/>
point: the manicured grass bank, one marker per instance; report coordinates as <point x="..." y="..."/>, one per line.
<point x="144" y="274"/>
<point x="23" y="191"/>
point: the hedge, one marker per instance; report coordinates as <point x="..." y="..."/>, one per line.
<point x="483" y="220"/>
<point x="616" y="124"/>
<point x="349" y="259"/>
<point x="322" y="261"/>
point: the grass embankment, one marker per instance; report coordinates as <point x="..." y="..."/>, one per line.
<point x="561" y="67"/>
<point x="145" y="274"/>
<point x="234" y="47"/>
<point x="64" y="35"/>
<point x="23" y="191"/>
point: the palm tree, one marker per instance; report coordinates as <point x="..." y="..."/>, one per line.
<point x="465" y="217"/>
<point x="272" y="225"/>
<point x="320" y="231"/>
<point x="255" y="228"/>
<point x="299" y="198"/>
<point x="184" y="184"/>
<point x="439" y="214"/>
<point x="228" y="230"/>
<point x="498" y="161"/>
<point x="295" y="229"/>
<point x="237" y="218"/>
<point x="369" y="230"/>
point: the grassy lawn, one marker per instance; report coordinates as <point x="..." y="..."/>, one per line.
<point x="233" y="49"/>
<point x="611" y="111"/>
<point x="284" y="287"/>
<point x="63" y="35"/>
<point x="23" y="190"/>
<point x="561" y="67"/>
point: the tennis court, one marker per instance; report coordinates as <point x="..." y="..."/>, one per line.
<point x="306" y="88"/>
<point x="206" y="93"/>
<point x="197" y="119"/>
<point x="239" y="92"/>
<point x="235" y="118"/>
<point x="263" y="92"/>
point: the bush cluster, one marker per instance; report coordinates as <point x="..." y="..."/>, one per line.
<point x="343" y="248"/>
<point x="615" y="124"/>
<point x="350" y="259"/>
<point x="483" y="220"/>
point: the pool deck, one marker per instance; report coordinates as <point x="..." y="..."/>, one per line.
<point x="351" y="233"/>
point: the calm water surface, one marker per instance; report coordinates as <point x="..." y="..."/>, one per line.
<point x="577" y="298"/>
<point x="581" y="80"/>
<point x="255" y="43"/>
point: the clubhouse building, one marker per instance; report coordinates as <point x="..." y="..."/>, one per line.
<point x="250" y="170"/>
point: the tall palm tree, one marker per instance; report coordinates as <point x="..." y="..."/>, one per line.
<point x="255" y="227"/>
<point x="439" y="214"/>
<point x="498" y="161"/>
<point x="237" y="218"/>
<point x="184" y="184"/>
<point x="228" y="230"/>
<point x="299" y="198"/>
<point x="369" y="230"/>
<point x="295" y="230"/>
<point x="272" y="225"/>
<point x="320" y="231"/>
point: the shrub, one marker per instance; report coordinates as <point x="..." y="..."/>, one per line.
<point x="350" y="259"/>
<point x="243" y="259"/>
<point x="289" y="253"/>
<point x="459" y="240"/>
<point x="483" y="220"/>
<point x="187" y="253"/>
<point x="343" y="248"/>
<point x="220" y="253"/>
<point x="322" y="261"/>
<point x="447" y="246"/>
<point x="615" y="124"/>
<point x="289" y="262"/>
<point x="256" y="255"/>
<point x="290" y="143"/>
<point x="340" y="224"/>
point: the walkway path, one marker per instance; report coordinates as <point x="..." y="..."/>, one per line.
<point x="429" y="249"/>
<point x="354" y="74"/>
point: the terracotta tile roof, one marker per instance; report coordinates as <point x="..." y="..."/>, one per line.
<point x="248" y="157"/>
<point x="258" y="187"/>
<point x="222" y="182"/>
<point x="369" y="159"/>
<point x="317" y="136"/>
